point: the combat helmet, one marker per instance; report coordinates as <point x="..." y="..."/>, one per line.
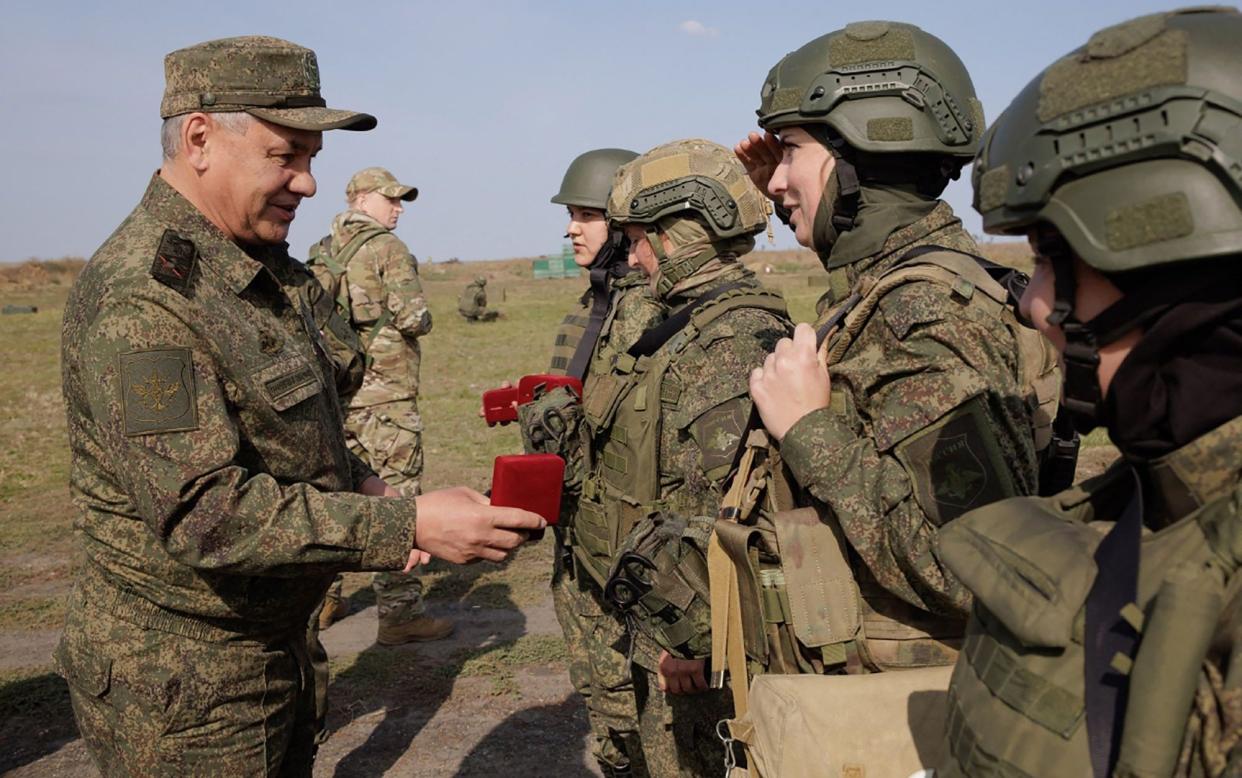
<point x="589" y="177"/>
<point x="883" y="87"/>
<point x="1131" y="148"/>
<point x="869" y="92"/>
<point x="480" y="281"/>
<point x="694" y="177"/>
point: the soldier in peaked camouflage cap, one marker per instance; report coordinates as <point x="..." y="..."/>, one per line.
<point x="377" y="179"/>
<point x="218" y="495"/>
<point x="269" y="78"/>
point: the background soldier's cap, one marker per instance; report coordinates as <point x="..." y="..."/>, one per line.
<point x="269" y="78"/>
<point x="377" y="179"/>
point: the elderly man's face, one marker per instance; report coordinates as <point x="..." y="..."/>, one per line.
<point x="256" y="180"/>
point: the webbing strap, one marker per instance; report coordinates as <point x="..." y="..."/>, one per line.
<point x="970" y="758"/>
<point x="1108" y="634"/>
<point x="603" y="269"/>
<point x="657" y="336"/>
<point x="728" y="646"/>
<point x="1043" y="702"/>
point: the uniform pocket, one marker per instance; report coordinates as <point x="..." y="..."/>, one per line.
<point x="84" y="670"/>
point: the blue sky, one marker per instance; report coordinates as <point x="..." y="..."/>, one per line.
<point x="481" y="104"/>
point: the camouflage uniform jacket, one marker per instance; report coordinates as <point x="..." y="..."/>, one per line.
<point x="927" y="358"/>
<point x="704" y="404"/>
<point x="473" y="300"/>
<point x="208" y="451"/>
<point x="1183" y="713"/>
<point x="382" y="278"/>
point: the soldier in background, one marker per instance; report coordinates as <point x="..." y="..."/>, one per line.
<point x="608" y="318"/>
<point x="1106" y="636"/>
<point x="473" y="301"/>
<point x="374" y="279"/>
<point x="218" y="497"/>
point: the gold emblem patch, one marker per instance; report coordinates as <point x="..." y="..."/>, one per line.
<point x="157" y="391"/>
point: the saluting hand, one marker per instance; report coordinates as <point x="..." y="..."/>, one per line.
<point x="791" y="383"/>
<point x="760" y="154"/>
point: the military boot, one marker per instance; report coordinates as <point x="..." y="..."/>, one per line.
<point x="420" y="629"/>
<point x="333" y="611"/>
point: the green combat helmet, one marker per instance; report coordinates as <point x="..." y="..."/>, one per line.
<point x="870" y="91"/>
<point x="480" y="281"/>
<point x="693" y="177"/>
<point x="1131" y="147"/>
<point x="589" y="178"/>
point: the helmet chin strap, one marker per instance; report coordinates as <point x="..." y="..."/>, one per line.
<point x="1082" y="396"/>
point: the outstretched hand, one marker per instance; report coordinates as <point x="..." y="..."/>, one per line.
<point x="791" y="383"/>
<point x="760" y="154"/>
<point x="460" y="525"/>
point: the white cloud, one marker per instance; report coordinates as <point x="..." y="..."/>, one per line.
<point x="698" y="29"/>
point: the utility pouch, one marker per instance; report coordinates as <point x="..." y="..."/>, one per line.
<point x="739" y="542"/>
<point x="1030" y="567"/>
<point x="824" y="601"/>
<point x="602" y="398"/>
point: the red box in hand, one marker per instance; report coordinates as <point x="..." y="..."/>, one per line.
<point x="531" y="386"/>
<point x="498" y="405"/>
<point x="531" y="482"/>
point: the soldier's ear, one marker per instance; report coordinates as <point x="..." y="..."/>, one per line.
<point x="196" y="132"/>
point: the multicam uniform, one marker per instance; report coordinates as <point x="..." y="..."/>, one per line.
<point x="388" y="311"/>
<point x="210" y="465"/>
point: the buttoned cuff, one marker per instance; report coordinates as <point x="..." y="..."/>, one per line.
<point x="806" y="441"/>
<point x="389" y="533"/>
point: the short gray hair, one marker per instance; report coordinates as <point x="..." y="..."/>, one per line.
<point x="170" y="132"/>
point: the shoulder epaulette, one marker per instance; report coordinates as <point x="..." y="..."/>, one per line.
<point x="176" y="263"/>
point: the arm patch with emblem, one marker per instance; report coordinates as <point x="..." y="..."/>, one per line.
<point x="956" y="464"/>
<point x="157" y="391"/>
<point x="719" y="432"/>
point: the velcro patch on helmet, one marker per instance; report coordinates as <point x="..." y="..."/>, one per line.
<point x="1166" y="217"/>
<point x="896" y="43"/>
<point x="992" y="188"/>
<point x="784" y="100"/>
<point x="1118" y="39"/>
<point x="1078" y="80"/>
<point x="657" y="171"/>
<point x="890" y="129"/>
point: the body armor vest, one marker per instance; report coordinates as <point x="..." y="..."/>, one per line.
<point x="1021" y="697"/>
<point x="623" y="408"/>
<point x="807" y="604"/>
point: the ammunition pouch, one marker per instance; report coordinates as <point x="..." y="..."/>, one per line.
<point x="660" y="583"/>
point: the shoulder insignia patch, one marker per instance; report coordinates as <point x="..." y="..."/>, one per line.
<point x="157" y="391"/>
<point x="176" y="261"/>
<point x="956" y="464"/>
<point x="718" y="433"/>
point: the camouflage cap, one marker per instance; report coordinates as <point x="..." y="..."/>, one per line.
<point x="269" y="78"/>
<point x="377" y="179"/>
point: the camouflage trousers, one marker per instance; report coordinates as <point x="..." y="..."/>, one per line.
<point x="153" y="703"/>
<point x="389" y="438"/>
<point x="678" y="731"/>
<point x="599" y="668"/>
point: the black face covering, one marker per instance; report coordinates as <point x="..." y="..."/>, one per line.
<point x="1184" y="377"/>
<point x="608" y="263"/>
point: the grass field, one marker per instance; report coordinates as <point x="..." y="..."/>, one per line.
<point x="37" y="549"/>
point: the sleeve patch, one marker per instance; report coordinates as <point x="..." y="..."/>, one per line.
<point x="157" y="391"/>
<point x="718" y="433"/>
<point x="956" y="465"/>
